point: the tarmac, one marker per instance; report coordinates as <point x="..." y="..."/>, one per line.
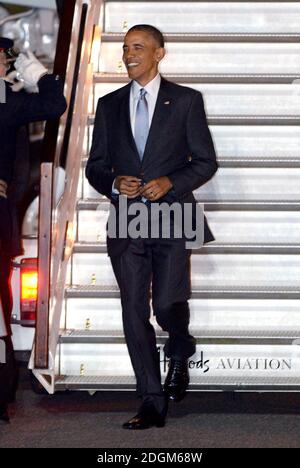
<point x="201" y="420"/>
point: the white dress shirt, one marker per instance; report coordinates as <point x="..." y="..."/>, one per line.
<point x="152" y="89"/>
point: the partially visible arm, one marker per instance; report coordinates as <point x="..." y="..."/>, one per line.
<point x="203" y="164"/>
<point x="49" y="103"/>
<point x="98" y="170"/>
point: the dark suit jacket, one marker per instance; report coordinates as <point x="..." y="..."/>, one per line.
<point x="179" y="146"/>
<point x="19" y="109"/>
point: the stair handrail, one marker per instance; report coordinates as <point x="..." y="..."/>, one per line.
<point x="60" y="211"/>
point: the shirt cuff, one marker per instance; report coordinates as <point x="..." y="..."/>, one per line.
<point x="114" y="190"/>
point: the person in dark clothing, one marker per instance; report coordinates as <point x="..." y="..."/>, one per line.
<point x="151" y="144"/>
<point x="16" y="110"/>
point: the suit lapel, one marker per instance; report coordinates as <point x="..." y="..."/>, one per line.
<point x="162" y="111"/>
<point x="125" y="125"/>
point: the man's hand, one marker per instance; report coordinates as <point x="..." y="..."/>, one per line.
<point x="156" y="188"/>
<point x="128" y="185"/>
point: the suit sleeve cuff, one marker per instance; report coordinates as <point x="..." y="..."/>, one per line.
<point x="114" y="190"/>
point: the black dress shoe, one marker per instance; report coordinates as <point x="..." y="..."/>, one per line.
<point x="147" y="417"/>
<point x="177" y="380"/>
<point x="4" y="417"/>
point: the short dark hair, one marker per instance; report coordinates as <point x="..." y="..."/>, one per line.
<point x="155" y="33"/>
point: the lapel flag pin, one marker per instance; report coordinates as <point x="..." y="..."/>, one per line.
<point x="167" y="102"/>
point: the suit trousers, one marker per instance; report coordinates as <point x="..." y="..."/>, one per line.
<point x="166" y="264"/>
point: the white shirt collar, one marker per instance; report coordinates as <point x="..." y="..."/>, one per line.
<point x="152" y="87"/>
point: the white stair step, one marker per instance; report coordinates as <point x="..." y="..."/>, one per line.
<point x="211" y="248"/>
<point x="244" y="100"/>
<point x="207" y="17"/>
<point x="272" y="363"/>
<point x="256" y="142"/>
<point x="214" y="58"/>
<point x="252" y="184"/>
<point x="96" y="204"/>
<point x="214" y="292"/>
<point x="92" y="382"/>
<point x="247" y="227"/>
<point x="240" y="162"/>
<point x="214" y="317"/>
<point x="202" y="336"/>
<point x="242" y="184"/>
<point x="236" y="161"/>
<point x="222" y="78"/>
<point x="213" y="272"/>
<point x="213" y="37"/>
<point x="256" y="162"/>
<point x="202" y="383"/>
<point x="243" y="120"/>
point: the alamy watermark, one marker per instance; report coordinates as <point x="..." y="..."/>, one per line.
<point x="157" y="220"/>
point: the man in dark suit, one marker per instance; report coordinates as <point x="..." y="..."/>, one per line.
<point x="16" y="110"/>
<point x="152" y="144"/>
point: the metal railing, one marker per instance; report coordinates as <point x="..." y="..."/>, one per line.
<point x="57" y="213"/>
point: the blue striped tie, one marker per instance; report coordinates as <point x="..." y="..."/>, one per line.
<point x="141" y="127"/>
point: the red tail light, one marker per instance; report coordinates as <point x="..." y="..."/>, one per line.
<point x="28" y="296"/>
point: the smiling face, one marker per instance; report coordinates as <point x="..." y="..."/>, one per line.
<point x="141" y="56"/>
